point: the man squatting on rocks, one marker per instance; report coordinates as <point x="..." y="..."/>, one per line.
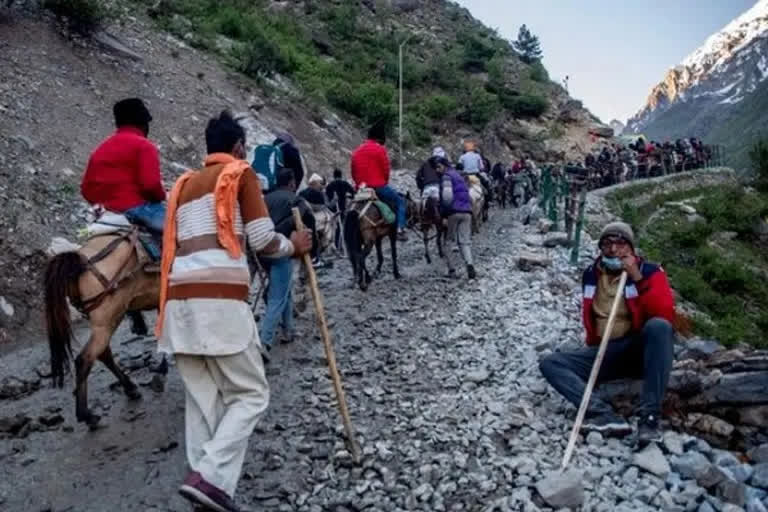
<point x="641" y="342"/>
<point x="204" y="319"/>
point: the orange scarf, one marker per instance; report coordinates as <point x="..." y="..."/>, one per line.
<point x="225" y="198"/>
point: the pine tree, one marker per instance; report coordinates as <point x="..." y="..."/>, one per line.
<point x="527" y="45"/>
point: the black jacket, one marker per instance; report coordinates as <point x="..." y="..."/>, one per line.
<point x="291" y="159"/>
<point x="427" y="175"/>
<point x="279" y="203"/>
<point x="341" y="189"/>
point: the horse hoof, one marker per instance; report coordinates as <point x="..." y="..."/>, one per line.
<point x="132" y="393"/>
<point x="397" y="275"/>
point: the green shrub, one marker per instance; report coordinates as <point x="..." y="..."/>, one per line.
<point x="478" y="51"/>
<point x="82" y="16"/>
<point x="538" y="72"/>
<point x="417" y="129"/>
<point x="733" y="209"/>
<point x="261" y="57"/>
<point x="370" y="101"/>
<point x="478" y="107"/>
<point x="758" y="155"/>
<point x="439" y="106"/>
<point x="525" y="105"/>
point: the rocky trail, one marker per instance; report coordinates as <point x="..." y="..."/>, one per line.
<point x="444" y="390"/>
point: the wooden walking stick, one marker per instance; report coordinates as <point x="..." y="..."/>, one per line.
<point x="595" y="371"/>
<point x="329" y="353"/>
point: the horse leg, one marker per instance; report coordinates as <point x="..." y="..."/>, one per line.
<point x="425" y="234"/>
<point x="379" y="258"/>
<point x="439" y="238"/>
<point x="131" y="390"/>
<point x="138" y="325"/>
<point x="393" y="246"/>
<point x="92" y="351"/>
<point x="365" y="277"/>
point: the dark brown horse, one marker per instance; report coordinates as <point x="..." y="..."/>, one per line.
<point x="425" y="219"/>
<point x="364" y="227"/>
<point x="106" y="279"/>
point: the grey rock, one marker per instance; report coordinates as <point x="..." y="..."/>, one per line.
<point x="732" y="492"/>
<point x="560" y="489"/>
<point x="478" y="376"/>
<point x="631" y="475"/>
<point x="740" y="473"/>
<point x="753" y="493"/>
<point x="652" y="460"/>
<point x="673" y="442"/>
<point x="556" y="239"/>
<point x="529" y="261"/>
<point x="690" y="464"/>
<point x="544" y="225"/>
<point x="697" y="445"/>
<point x="759" y="453"/>
<point x="760" y="476"/>
<point x="706" y="507"/>
<point x="730" y="507"/>
<point x="595" y="439"/>
<point x="755" y="505"/>
<point x="723" y="458"/>
<point x="710" y="477"/>
<point x="700" y="349"/>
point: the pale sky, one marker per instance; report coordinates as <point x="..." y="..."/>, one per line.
<point x="613" y="51"/>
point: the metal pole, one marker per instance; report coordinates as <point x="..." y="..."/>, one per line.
<point x="400" y="129"/>
<point x="400" y="87"/>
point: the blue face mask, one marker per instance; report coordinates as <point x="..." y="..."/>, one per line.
<point x="612" y="263"/>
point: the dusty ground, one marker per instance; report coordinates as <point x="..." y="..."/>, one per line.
<point x="405" y="368"/>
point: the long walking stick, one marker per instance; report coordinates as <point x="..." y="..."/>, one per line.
<point x="329" y="353"/>
<point x="595" y="371"/>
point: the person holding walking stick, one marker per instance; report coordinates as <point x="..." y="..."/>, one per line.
<point x="640" y="340"/>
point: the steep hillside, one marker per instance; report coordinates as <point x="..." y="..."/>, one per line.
<point x="710" y="92"/>
<point x="58" y="88"/>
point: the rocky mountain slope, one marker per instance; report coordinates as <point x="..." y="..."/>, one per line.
<point x="718" y="92"/>
<point x="58" y="89"/>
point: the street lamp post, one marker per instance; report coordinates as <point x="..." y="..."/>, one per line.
<point x="400" y="127"/>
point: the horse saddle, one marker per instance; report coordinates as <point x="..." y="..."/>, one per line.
<point x="149" y="248"/>
<point x="367" y="197"/>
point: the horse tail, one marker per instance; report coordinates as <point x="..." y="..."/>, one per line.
<point x="352" y="237"/>
<point x="61" y="274"/>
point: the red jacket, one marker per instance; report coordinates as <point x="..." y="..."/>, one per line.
<point x="123" y="172"/>
<point x="651" y="297"/>
<point x="370" y="164"/>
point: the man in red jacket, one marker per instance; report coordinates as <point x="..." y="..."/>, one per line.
<point x="370" y="166"/>
<point x="641" y="340"/>
<point x="123" y="173"/>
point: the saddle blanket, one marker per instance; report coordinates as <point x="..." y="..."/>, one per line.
<point x="108" y="223"/>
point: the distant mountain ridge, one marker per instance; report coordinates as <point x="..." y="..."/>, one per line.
<point x="718" y="91"/>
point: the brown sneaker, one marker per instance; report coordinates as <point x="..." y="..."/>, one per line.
<point x="200" y="492"/>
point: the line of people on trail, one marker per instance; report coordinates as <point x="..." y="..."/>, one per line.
<point x="217" y="216"/>
<point x="609" y="164"/>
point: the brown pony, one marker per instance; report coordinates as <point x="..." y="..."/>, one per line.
<point x="426" y="218"/>
<point x="107" y="278"/>
<point x="364" y="227"/>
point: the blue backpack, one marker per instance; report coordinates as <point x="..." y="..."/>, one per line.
<point x="267" y="159"/>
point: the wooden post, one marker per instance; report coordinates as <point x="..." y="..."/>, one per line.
<point x="329" y="353"/>
<point x="595" y="372"/>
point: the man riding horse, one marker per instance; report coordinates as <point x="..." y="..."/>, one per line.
<point x="123" y="176"/>
<point x="123" y="173"/>
<point x="370" y="167"/>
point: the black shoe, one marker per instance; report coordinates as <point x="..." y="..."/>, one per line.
<point x="648" y="430"/>
<point x="265" y="349"/>
<point x="471" y="272"/>
<point x="607" y="424"/>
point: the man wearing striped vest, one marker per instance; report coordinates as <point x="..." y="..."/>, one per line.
<point x="214" y="214"/>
